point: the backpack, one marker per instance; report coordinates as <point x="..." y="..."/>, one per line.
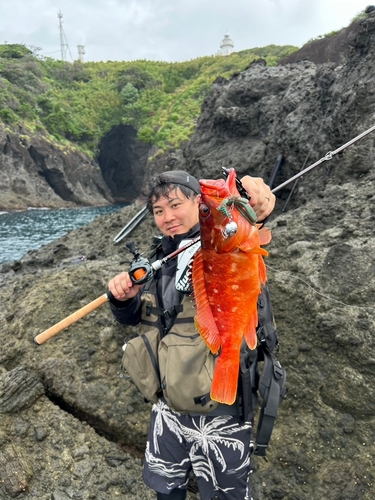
<point x="271" y="383"/>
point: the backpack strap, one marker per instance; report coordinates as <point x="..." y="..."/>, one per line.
<point x="166" y="313"/>
<point x="246" y="392"/>
<point x="271" y="388"/>
<point x="154" y="361"/>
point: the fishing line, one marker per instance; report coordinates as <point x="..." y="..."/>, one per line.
<point x="334" y="94"/>
<point x="292" y="275"/>
<point x="308" y="154"/>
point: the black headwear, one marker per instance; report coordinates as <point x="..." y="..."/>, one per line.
<point x="183" y="179"/>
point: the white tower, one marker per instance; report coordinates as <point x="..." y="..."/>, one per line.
<point x="81" y="52"/>
<point x="226" y="47"/>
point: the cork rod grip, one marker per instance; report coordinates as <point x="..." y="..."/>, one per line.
<point x="55" y="329"/>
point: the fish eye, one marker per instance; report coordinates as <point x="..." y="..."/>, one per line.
<point x="204" y="210"/>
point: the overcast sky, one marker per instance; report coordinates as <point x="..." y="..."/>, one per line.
<point x="168" y="30"/>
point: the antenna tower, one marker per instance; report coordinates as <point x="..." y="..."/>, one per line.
<point x="63" y="41"/>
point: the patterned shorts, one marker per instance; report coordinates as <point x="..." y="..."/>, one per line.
<point x="216" y="448"/>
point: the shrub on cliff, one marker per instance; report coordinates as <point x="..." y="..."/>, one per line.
<point x="81" y="102"/>
<point x="14" y="51"/>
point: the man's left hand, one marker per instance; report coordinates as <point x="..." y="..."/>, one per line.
<point x="262" y="200"/>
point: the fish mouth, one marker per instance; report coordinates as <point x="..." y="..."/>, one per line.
<point x="209" y="183"/>
<point x="212" y="188"/>
<point x="219" y="188"/>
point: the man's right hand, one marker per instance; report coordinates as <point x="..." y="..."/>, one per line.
<point x="122" y="287"/>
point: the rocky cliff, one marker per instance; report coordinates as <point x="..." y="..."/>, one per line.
<point x="37" y="172"/>
<point x="72" y="427"/>
<point x="301" y="110"/>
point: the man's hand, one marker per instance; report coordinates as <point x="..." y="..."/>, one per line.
<point x="122" y="287"/>
<point x="262" y="200"/>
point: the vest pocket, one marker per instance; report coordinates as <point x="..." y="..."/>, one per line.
<point x="186" y="370"/>
<point x="140" y="360"/>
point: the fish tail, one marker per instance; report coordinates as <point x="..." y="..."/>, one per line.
<point x="225" y="380"/>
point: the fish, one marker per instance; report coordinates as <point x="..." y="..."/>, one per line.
<point x="227" y="273"/>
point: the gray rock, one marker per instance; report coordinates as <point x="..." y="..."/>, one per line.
<point x="15" y="471"/>
<point x="38" y="173"/>
<point x="19" y="388"/>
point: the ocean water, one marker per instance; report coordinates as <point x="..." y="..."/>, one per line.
<point x="29" y="230"/>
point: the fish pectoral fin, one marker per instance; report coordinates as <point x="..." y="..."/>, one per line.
<point x="255" y="250"/>
<point x="204" y="320"/>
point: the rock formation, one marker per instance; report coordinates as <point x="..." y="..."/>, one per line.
<point x="301" y="110"/>
<point x="73" y="427"/>
<point x="123" y="161"/>
<point x="36" y="172"/>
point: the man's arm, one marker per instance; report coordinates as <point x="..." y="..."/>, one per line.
<point x="127" y="312"/>
<point x="126" y="305"/>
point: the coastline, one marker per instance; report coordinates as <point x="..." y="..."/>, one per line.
<point x="25" y="230"/>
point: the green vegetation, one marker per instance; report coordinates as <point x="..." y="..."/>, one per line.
<point x="359" y="16"/>
<point x="320" y="37"/>
<point x="79" y="103"/>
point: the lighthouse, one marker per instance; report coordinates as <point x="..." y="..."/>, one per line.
<point x="226" y="47"/>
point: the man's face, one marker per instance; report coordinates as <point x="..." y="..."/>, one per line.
<point x="175" y="214"/>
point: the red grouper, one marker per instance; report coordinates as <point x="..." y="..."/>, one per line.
<point x="227" y="273"/>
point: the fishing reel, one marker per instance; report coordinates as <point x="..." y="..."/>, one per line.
<point x="140" y="270"/>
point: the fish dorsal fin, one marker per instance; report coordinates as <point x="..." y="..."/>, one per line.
<point x="204" y="320"/>
<point x="264" y="236"/>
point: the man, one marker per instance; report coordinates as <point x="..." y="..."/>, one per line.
<point x="215" y="445"/>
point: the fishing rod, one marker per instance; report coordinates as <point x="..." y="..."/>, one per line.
<point x="327" y="157"/>
<point x="141" y="270"/>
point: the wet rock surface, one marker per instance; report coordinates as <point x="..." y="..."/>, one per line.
<point x="80" y="426"/>
<point x="84" y="435"/>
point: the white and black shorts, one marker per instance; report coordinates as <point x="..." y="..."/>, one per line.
<point x="216" y="448"/>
